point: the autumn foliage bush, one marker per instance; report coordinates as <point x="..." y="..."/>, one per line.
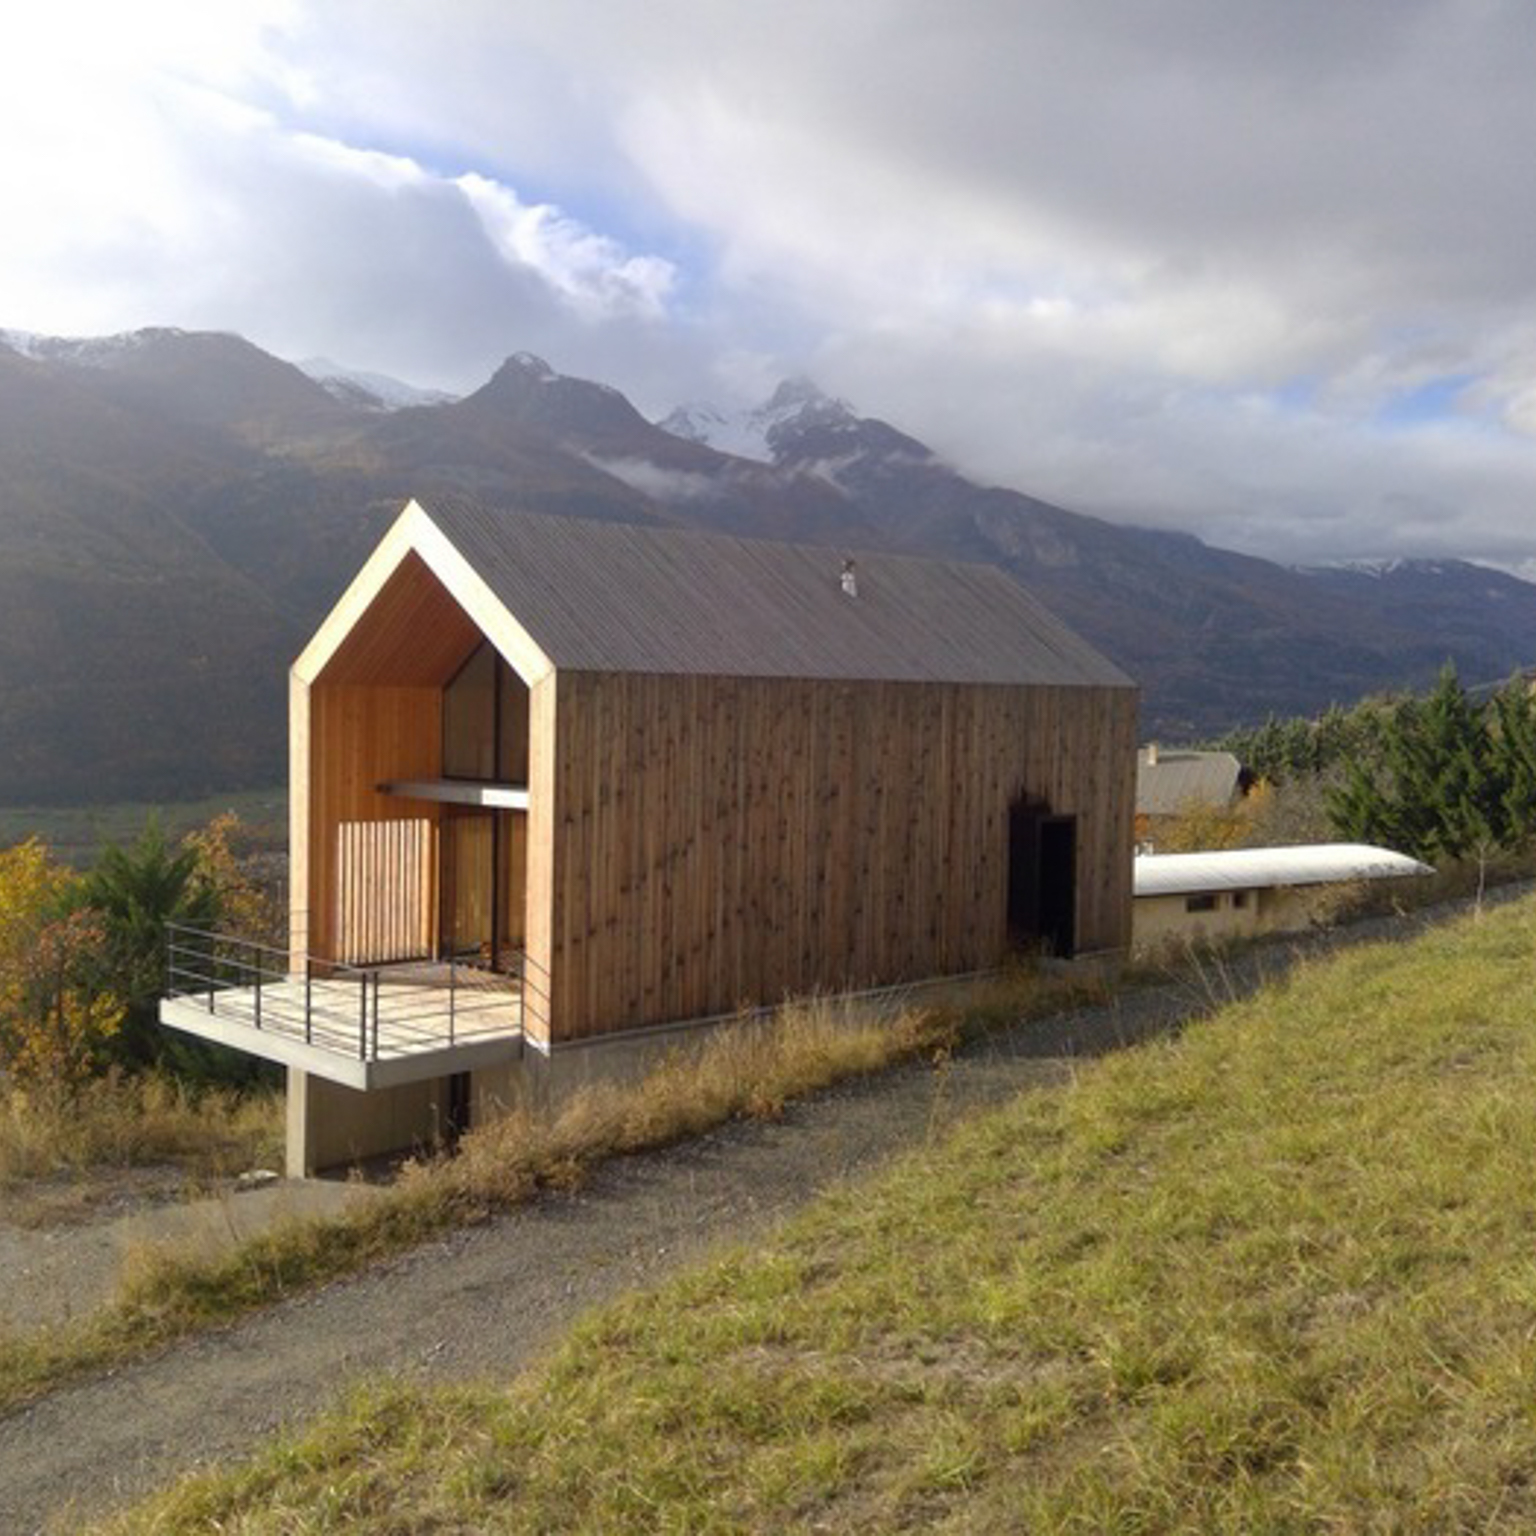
<point x="58" y="1008"/>
<point x="82" y="956"/>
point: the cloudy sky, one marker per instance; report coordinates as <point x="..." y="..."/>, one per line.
<point x="1265" y="271"/>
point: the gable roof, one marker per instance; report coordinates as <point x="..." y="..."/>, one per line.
<point x="619" y="597"/>
<point x="1170" y="782"/>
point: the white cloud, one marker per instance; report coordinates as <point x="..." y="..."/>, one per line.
<point x="590" y="270"/>
<point x="656" y="481"/>
<point x="1182" y="263"/>
<point x="169" y="179"/>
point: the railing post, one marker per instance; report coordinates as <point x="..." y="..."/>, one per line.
<point x="362" y="1018"/>
<point x="375" y="1056"/>
<point x="257" y="968"/>
<point x="452" y="995"/>
<point x="309" y="1012"/>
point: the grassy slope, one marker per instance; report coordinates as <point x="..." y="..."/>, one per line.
<point x="1277" y="1275"/>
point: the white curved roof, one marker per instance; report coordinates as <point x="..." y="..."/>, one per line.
<point x="1169" y="874"/>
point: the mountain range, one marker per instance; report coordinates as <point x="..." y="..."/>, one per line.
<point x="179" y="509"/>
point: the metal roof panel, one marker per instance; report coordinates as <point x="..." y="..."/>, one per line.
<point x="621" y="597"/>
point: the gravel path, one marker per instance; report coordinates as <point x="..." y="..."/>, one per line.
<point x="57" y="1272"/>
<point x="483" y="1302"/>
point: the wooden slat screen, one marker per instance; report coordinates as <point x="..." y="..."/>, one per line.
<point x="383" y="890"/>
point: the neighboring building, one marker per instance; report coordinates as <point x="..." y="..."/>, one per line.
<point x="559" y="784"/>
<point x="1173" y="784"/>
<point x="1247" y="891"/>
<point x="1170" y="781"/>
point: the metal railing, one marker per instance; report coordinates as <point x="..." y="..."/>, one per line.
<point x="366" y="1011"/>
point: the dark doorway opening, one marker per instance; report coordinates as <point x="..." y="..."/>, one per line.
<point x="456" y="1107"/>
<point x="1058" y="884"/>
<point x="1042" y="880"/>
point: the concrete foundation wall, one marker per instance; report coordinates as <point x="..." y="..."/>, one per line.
<point x="548" y="1081"/>
<point x="332" y="1126"/>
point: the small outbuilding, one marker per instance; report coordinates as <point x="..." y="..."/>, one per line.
<point x="1243" y="892"/>
<point x="559" y="786"/>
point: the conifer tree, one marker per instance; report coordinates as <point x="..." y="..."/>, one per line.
<point x="1441" y="790"/>
<point x="1361" y="811"/>
<point x="137" y="890"/>
<point x="1513" y="745"/>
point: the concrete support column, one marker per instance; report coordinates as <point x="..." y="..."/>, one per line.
<point x="330" y="1125"/>
<point x="297" y="1160"/>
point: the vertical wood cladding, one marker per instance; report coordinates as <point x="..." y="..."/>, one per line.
<point x="358" y="737"/>
<point x="721" y="841"/>
<point x="543" y="890"/>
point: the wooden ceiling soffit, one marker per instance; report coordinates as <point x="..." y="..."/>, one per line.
<point x="412" y="615"/>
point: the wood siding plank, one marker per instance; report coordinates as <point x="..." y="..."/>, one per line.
<point x="724" y="841"/>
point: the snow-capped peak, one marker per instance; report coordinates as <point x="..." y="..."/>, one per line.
<point x="532" y="363"/>
<point x="358" y="385"/>
<point x="86" y="351"/>
<point x="755" y="432"/>
<point x="733" y="432"/>
<point x="1387" y="566"/>
<point x="24" y="342"/>
<point x="799" y="394"/>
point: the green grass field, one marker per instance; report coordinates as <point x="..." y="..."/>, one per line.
<point x="1278" y="1274"/>
<point x="76" y="833"/>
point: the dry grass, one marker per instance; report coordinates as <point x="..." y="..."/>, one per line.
<point x="751" y="1070"/>
<point x="1274" y="1274"/>
<point x="1459" y="880"/>
<point x="123" y="1121"/>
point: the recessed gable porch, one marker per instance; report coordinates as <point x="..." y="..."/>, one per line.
<point x="410" y="766"/>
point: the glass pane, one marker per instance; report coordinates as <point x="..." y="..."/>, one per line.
<point x="513" y="765"/>
<point x="469" y="719"/>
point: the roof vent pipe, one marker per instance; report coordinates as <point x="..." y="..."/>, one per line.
<point x="849" y="579"/>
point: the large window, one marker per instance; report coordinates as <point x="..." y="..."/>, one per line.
<point x="483" y="852"/>
<point x="485" y="721"/>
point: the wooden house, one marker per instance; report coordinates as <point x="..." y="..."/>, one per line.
<point x="596" y="780"/>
